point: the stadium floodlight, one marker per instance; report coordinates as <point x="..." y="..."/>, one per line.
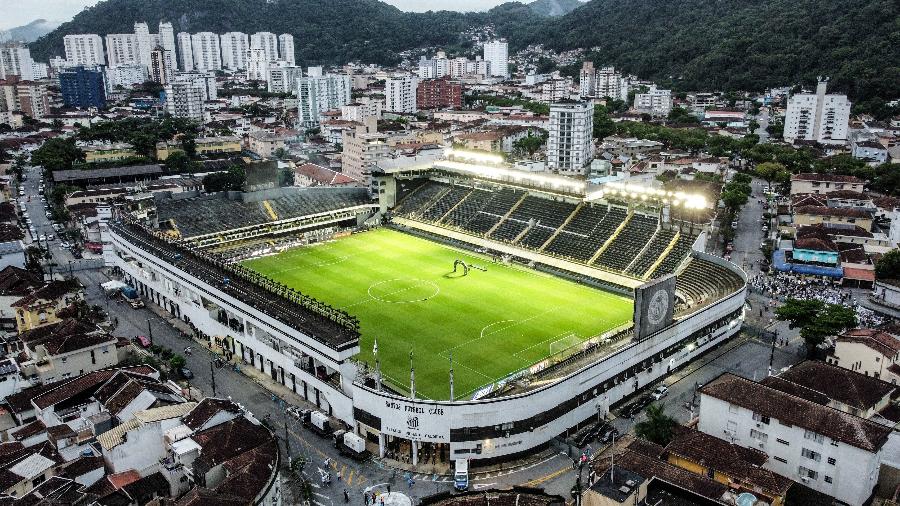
<point x="642" y="193"/>
<point x="517" y="176"/>
<point x="475" y="156"/>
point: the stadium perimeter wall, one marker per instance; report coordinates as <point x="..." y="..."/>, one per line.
<point x="490" y="429"/>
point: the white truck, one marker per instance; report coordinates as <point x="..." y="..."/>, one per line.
<point x="317" y="422"/>
<point x="352" y="445"/>
<point x="461" y="475"/>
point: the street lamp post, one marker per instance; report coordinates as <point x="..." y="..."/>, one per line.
<point x="772" y="351"/>
<point x="150" y="330"/>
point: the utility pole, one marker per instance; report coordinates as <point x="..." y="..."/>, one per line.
<point x="287" y="440"/>
<point x="772" y="351"/>
<point x="150" y="330"/>
<point x="212" y="375"/>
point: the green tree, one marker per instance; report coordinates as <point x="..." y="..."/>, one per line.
<point x="177" y="362"/>
<point x="816" y="319"/>
<point x="769" y="171"/>
<point x="57" y="154"/>
<point x="682" y="115"/>
<point x="280" y="154"/>
<point x="603" y="125"/>
<point x="529" y="145"/>
<point x="658" y="426"/>
<point x="231" y="180"/>
<point x="798" y="312"/>
<point x="888" y="266"/>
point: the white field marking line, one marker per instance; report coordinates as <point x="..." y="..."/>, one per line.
<point x="516" y="354"/>
<point x="420" y="282"/>
<point x="515" y="324"/>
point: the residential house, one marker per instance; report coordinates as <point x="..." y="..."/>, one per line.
<point x="871" y="352"/>
<point x="824" y="183"/>
<point x="41" y="307"/>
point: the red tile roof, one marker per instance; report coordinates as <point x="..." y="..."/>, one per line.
<point x="842" y="212"/>
<point x="859" y="274"/>
<point x="833" y="178"/>
<point x="794" y="410"/>
<point x="882" y="342"/>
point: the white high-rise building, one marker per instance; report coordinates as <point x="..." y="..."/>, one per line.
<point x="587" y="80"/>
<point x="655" y="102"/>
<point x="315" y="71"/>
<point x="162" y="65"/>
<point x="15" y="60"/>
<point x="84" y="49"/>
<point x="400" y="94"/>
<point x="570" y="147"/>
<point x="556" y="89"/>
<point x="121" y="48"/>
<point x="234" y="50"/>
<point x="207" y="52"/>
<point x="204" y="81"/>
<point x="126" y="75"/>
<point x="257" y="64"/>
<point x="609" y="83"/>
<point x="434" y="68"/>
<point x="146" y="42"/>
<point x="184" y="100"/>
<point x="286" y="48"/>
<point x="268" y="42"/>
<point x="817" y="117"/>
<point x="282" y="78"/>
<point x="167" y="41"/>
<point x="185" y="52"/>
<point x="319" y="94"/>
<point x="497" y="52"/>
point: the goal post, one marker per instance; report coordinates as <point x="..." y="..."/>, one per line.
<point x="565" y="346"/>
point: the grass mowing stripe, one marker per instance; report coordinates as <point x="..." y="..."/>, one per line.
<point x="528" y="308"/>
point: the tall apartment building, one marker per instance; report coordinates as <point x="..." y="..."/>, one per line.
<point x="207" y="51"/>
<point x="587" y="80"/>
<point x="439" y="94"/>
<point x="126" y="75"/>
<point x="459" y="67"/>
<point x="84" y="49"/>
<point x="162" y="65"/>
<point x="282" y="78"/>
<point x="167" y="41"/>
<point x="185" y="52"/>
<point x="286" y="48"/>
<point x="122" y="48"/>
<point x="497" y="53"/>
<point x="28" y="97"/>
<point x="184" y="100"/>
<point x="316" y="95"/>
<point x="655" y="102"/>
<point x="363" y="108"/>
<point x="400" y="94"/>
<point x="434" y="68"/>
<point x="15" y="60"/>
<point x="363" y="147"/>
<point x="817" y="117"/>
<point x="555" y="90"/>
<point x="204" y="81"/>
<point x="234" y="50"/>
<point x="257" y="64"/>
<point x="570" y="147"/>
<point x="610" y="83"/>
<point x="268" y="42"/>
<point x="83" y="87"/>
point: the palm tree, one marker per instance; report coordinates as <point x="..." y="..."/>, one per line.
<point x="657" y="428"/>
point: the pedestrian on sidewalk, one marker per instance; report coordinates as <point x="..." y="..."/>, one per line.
<point x="346" y="496"/>
<point x="366" y="498"/>
<point x="389" y="488"/>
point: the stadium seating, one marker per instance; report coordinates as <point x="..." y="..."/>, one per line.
<point x="651" y="254"/>
<point x="468" y="208"/>
<point x="509" y="230"/>
<point x="630" y="241"/>
<point x="586" y="232"/>
<point x="674" y="258"/>
<point x="445" y="203"/>
<point x="418" y="201"/>
<point x="703" y="281"/>
<point x="493" y="210"/>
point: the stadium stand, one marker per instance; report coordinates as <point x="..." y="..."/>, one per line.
<point x="586" y="232"/>
<point x="217" y="212"/>
<point x="675" y="257"/>
<point x="703" y="281"/>
<point x="468" y="208"/>
<point x="309" y="322"/>
<point x="630" y="240"/>
<point x="656" y="247"/>
<point x="445" y="203"/>
<point x="493" y="210"/>
<point x="417" y="201"/>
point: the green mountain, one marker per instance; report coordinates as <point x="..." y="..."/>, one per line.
<point x="30" y="32"/>
<point x="741" y="44"/>
<point x="685" y="44"/>
<point x="553" y="8"/>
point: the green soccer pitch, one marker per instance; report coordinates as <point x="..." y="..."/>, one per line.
<point x="406" y="295"/>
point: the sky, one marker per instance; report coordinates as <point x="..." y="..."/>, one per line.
<point x="19" y="12"/>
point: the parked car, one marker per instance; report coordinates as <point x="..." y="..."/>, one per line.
<point x="607" y="435"/>
<point x="143" y="341"/>
<point x="186" y="373"/>
<point x="660" y="392"/>
<point x="734" y="224"/>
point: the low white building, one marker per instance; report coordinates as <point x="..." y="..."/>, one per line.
<point x="826" y="449"/>
<point x="871" y="352"/>
<point x="655" y="102"/>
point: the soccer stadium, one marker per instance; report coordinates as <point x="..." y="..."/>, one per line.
<point x="457" y="308"/>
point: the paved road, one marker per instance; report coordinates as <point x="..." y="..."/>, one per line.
<point x="763" y="119"/>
